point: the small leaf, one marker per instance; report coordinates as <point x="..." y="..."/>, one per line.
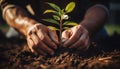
<point x="70" y="23"/>
<point x="65" y="28"/>
<point x="56" y="17"/>
<point x="70" y="7"/>
<point x="57" y="8"/>
<point x="61" y="12"/>
<point x="49" y="11"/>
<point x="51" y="21"/>
<point x="53" y="28"/>
<point x="65" y="17"/>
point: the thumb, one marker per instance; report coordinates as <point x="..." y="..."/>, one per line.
<point x="65" y="36"/>
<point x="53" y="36"/>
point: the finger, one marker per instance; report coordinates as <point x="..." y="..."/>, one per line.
<point x="80" y="42"/>
<point x="65" y="36"/>
<point x="46" y="39"/>
<point x="72" y="39"/>
<point x="53" y="36"/>
<point x="40" y="51"/>
<point x="46" y="49"/>
<point x="30" y="44"/>
<point x="36" y="45"/>
<point x="35" y="39"/>
<point x="41" y="48"/>
<point x="87" y="42"/>
<point x="49" y="42"/>
<point x="41" y="44"/>
<point x="37" y="50"/>
<point x="85" y="46"/>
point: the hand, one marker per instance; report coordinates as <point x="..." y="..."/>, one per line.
<point x="76" y="37"/>
<point x="42" y="40"/>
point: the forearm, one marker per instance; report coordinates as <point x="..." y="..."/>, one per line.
<point x="95" y="18"/>
<point x="18" y="18"/>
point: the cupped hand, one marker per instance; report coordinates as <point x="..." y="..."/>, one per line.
<point x="76" y="37"/>
<point x="42" y="40"/>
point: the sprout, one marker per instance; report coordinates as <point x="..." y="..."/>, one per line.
<point x="65" y="17"/>
<point x="60" y="17"/>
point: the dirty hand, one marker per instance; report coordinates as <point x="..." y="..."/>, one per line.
<point x="42" y="40"/>
<point x="76" y="37"/>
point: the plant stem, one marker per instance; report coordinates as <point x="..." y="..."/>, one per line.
<point x="60" y="31"/>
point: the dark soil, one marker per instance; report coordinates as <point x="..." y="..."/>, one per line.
<point x="14" y="54"/>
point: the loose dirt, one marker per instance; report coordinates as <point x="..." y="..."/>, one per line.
<point x="14" y="54"/>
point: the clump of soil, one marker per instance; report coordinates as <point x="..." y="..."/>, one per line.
<point x="14" y="54"/>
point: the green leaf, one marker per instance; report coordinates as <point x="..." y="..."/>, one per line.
<point x="57" y="8"/>
<point x="53" y="28"/>
<point x="65" y="28"/>
<point x="51" y="21"/>
<point x="49" y="11"/>
<point x="70" y="7"/>
<point x="70" y="23"/>
<point x="56" y="17"/>
<point x="61" y="12"/>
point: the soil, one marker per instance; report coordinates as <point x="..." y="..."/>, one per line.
<point x="14" y="54"/>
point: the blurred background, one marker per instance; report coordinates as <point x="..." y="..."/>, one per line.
<point x="112" y="26"/>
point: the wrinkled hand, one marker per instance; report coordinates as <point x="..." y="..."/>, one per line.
<point x="76" y="37"/>
<point x="42" y="40"/>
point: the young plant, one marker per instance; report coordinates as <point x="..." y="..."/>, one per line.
<point x="60" y="17"/>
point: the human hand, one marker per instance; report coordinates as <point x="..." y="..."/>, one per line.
<point x="76" y="37"/>
<point x="42" y="40"/>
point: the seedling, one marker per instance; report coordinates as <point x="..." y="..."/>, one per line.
<point x="60" y="17"/>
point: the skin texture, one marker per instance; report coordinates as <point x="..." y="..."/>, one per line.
<point x="76" y="37"/>
<point x="42" y="40"/>
<point x="79" y="36"/>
